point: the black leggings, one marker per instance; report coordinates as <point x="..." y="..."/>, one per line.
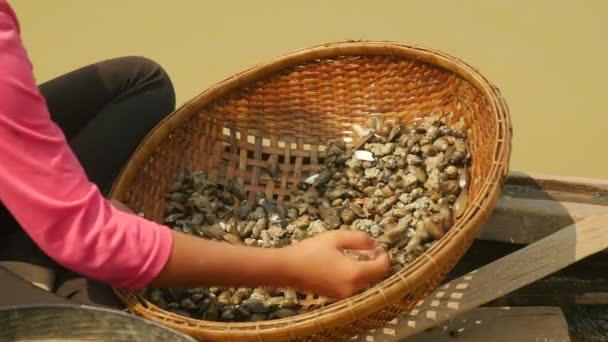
<point x="104" y="110"/>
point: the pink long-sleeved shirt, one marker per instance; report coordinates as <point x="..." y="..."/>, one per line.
<point x="45" y="188"/>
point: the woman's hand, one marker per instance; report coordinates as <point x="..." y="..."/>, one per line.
<point x="319" y="265"/>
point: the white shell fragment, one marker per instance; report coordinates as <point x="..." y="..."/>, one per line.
<point x="364" y="155"/>
<point x="311" y="179"/>
<point x="347" y="139"/>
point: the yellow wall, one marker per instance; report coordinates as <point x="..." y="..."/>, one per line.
<point x="549" y="58"/>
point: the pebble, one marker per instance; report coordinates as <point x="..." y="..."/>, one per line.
<point x="317" y="227"/>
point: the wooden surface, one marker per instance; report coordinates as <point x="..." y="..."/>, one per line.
<point x="42" y="277"/>
<point x="503" y="276"/>
<point x="530" y="208"/>
<point x="523" y="221"/>
<point x="533" y="207"/>
<point x="507" y="324"/>
<point x="16" y="291"/>
<point x="596" y="187"/>
<point x="582" y="283"/>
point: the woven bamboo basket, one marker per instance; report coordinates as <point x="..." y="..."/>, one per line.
<point x="289" y="107"/>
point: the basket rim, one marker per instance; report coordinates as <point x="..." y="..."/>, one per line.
<point x="392" y="288"/>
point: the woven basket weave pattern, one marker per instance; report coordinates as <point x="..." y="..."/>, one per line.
<point x="290" y="108"/>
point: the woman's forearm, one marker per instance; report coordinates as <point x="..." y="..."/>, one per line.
<point x="200" y="262"/>
<point x="316" y="265"/>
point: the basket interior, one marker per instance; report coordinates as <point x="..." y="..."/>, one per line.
<point x="293" y="112"/>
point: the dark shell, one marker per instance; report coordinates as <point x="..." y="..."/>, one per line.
<point x="236" y="189"/>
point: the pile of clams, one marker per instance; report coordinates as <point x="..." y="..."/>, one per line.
<point x="402" y="184"/>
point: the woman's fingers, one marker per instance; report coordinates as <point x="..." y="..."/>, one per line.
<point x="356" y="240"/>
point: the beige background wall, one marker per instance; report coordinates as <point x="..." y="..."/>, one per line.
<point x="549" y="58"/>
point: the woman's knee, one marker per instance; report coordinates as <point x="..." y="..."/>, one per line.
<point x="150" y="70"/>
<point x="143" y="74"/>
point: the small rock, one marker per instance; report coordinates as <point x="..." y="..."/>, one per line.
<point x="316" y="227"/>
<point x="266" y="239"/>
<point x="274" y="301"/>
<point x="413" y="159"/>
<point x="257" y="296"/>
<point x="380" y="149"/>
<point x="371" y="173"/>
<point x="299" y="234"/>
<point x="276" y="232"/>
<point x="410" y="179"/>
<point x="375" y="230"/>
<point x="187" y="303"/>
<point x="282" y="313"/>
<point x="362" y="224"/>
<point x="353" y="163"/>
<point x="256" y="317"/>
<point x="405" y="198"/>
<point x="301" y="222"/>
<point x="255" y="306"/>
<point x="416" y="193"/>
<point x="434" y="162"/>
<point x="229" y="315"/>
<point x="400" y="151"/>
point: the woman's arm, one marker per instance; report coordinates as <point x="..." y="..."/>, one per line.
<point x="44" y="187"/>
<point x="46" y="190"/>
<point x="316" y="264"/>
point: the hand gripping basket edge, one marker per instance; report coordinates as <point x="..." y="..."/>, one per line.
<point x="290" y="106"/>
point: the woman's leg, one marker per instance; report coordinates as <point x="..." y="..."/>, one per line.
<point x="105" y="110"/>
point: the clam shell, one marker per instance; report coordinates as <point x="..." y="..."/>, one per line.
<point x="364" y="155"/>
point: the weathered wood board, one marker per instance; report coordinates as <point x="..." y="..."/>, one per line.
<point x="533" y="207"/>
<point x="16" y="291"/>
<point x="506" y="324"/>
<point x="582" y="283"/>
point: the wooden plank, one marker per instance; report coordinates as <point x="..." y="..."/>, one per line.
<point x="16" y="291"/>
<point x="595" y="187"/>
<point x="505" y="275"/>
<point x="504" y="324"/>
<point x="582" y="283"/>
<point x="532" y="207"/>
<point x="554" y="195"/>
<point x="523" y="221"/>
<point x="42" y="277"/>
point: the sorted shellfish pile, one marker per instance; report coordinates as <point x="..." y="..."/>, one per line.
<point x="403" y="185"/>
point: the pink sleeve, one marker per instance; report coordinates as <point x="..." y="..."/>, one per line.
<point x="44" y="187"/>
